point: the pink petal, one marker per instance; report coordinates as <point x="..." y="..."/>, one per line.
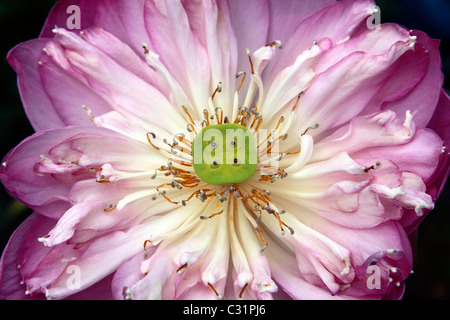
<point x="425" y="96"/>
<point x="83" y="147"/>
<point x="346" y="17"/>
<point x="110" y="251"/>
<point x="381" y="129"/>
<point x="10" y="276"/>
<point x="251" y="18"/>
<point x="170" y="34"/>
<point x="40" y="87"/>
<point x="106" y="14"/>
<point x="440" y="123"/>
<point x="123" y="55"/>
<point x="341" y="92"/>
<point x="128" y="274"/>
<point x="288" y="277"/>
<point x="113" y="81"/>
<point x="285" y="16"/>
<point x="211" y="22"/>
<point x="419" y="156"/>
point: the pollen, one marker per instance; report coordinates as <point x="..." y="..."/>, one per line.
<point x="224" y="154"/>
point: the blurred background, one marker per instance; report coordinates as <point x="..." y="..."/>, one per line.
<point x="22" y="20"/>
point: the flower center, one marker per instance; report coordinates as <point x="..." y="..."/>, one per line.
<point x="224" y="154"/>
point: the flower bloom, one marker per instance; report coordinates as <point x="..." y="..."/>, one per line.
<point x="349" y="121"/>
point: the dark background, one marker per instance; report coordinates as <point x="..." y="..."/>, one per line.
<point x="22" y="20"/>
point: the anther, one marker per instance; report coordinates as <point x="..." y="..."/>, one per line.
<point x="144" y="46"/>
<point x="102" y="179"/>
<point x="250" y="60"/>
<point x="243" y="79"/>
<point x="190" y="128"/>
<point x="242" y="291"/>
<point x="297" y="101"/>
<point x="215" y="291"/>
<point x="309" y="128"/>
<point x="188" y="114"/>
<point x="276" y="43"/>
<point x="89" y="112"/>
<point x="211" y="216"/>
<point x="258" y="232"/>
<point x="150" y="141"/>
<point x="109" y="208"/>
<point x="182" y="269"/>
<point x="372" y="167"/>
<point x="146" y="242"/>
<point x="218" y="90"/>
<point x="221" y="198"/>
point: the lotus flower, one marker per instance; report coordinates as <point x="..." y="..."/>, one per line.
<point x="349" y="122"/>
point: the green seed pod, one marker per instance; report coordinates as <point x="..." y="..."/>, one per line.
<point x="224" y="154"/>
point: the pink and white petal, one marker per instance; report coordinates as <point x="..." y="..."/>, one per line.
<point x="18" y="172"/>
<point x="419" y="156"/>
<point x="113" y="82"/>
<point x="425" y="95"/>
<point x="160" y="277"/>
<point x="262" y="284"/>
<point x="285" y="16"/>
<point x="198" y="292"/>
<point x="41" y="86"/>
<point x="328" y="260"/>
<point x="170" y="34"/>
<point x="410" y="70"/>
<point x="330" y="103"/>
<point x="343" y="190"/>
<point x="215" y="266"/>
<point x="318" y="176"/>
<point x="128" y="274"/>
<point x="65" y="227"/>
<point x="123" y="19"/>
<point x="290" y="82"/>
<point x="10" y="275"/>
<point x="412" y="65"/>
<point x="63" y="156"/>
<point x="346" y="17"/>
<point x="415" y="200"/>
<point x="211" y="23"/>
<point x="251" y="18"/>
<point x="363" y="243"/>
<point x="414" y="196"/>
<point x="39" y="266"/>
<point x="117" y="122"/>
<point x="123" y="55"/>
<point x="381" y="129"/>
<point x="440" y="123"/>
<point x="375" y="41"/>
<point x="110" y="251"/>
<point x="287" y="276"/>
<point x="385" y="245"/>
